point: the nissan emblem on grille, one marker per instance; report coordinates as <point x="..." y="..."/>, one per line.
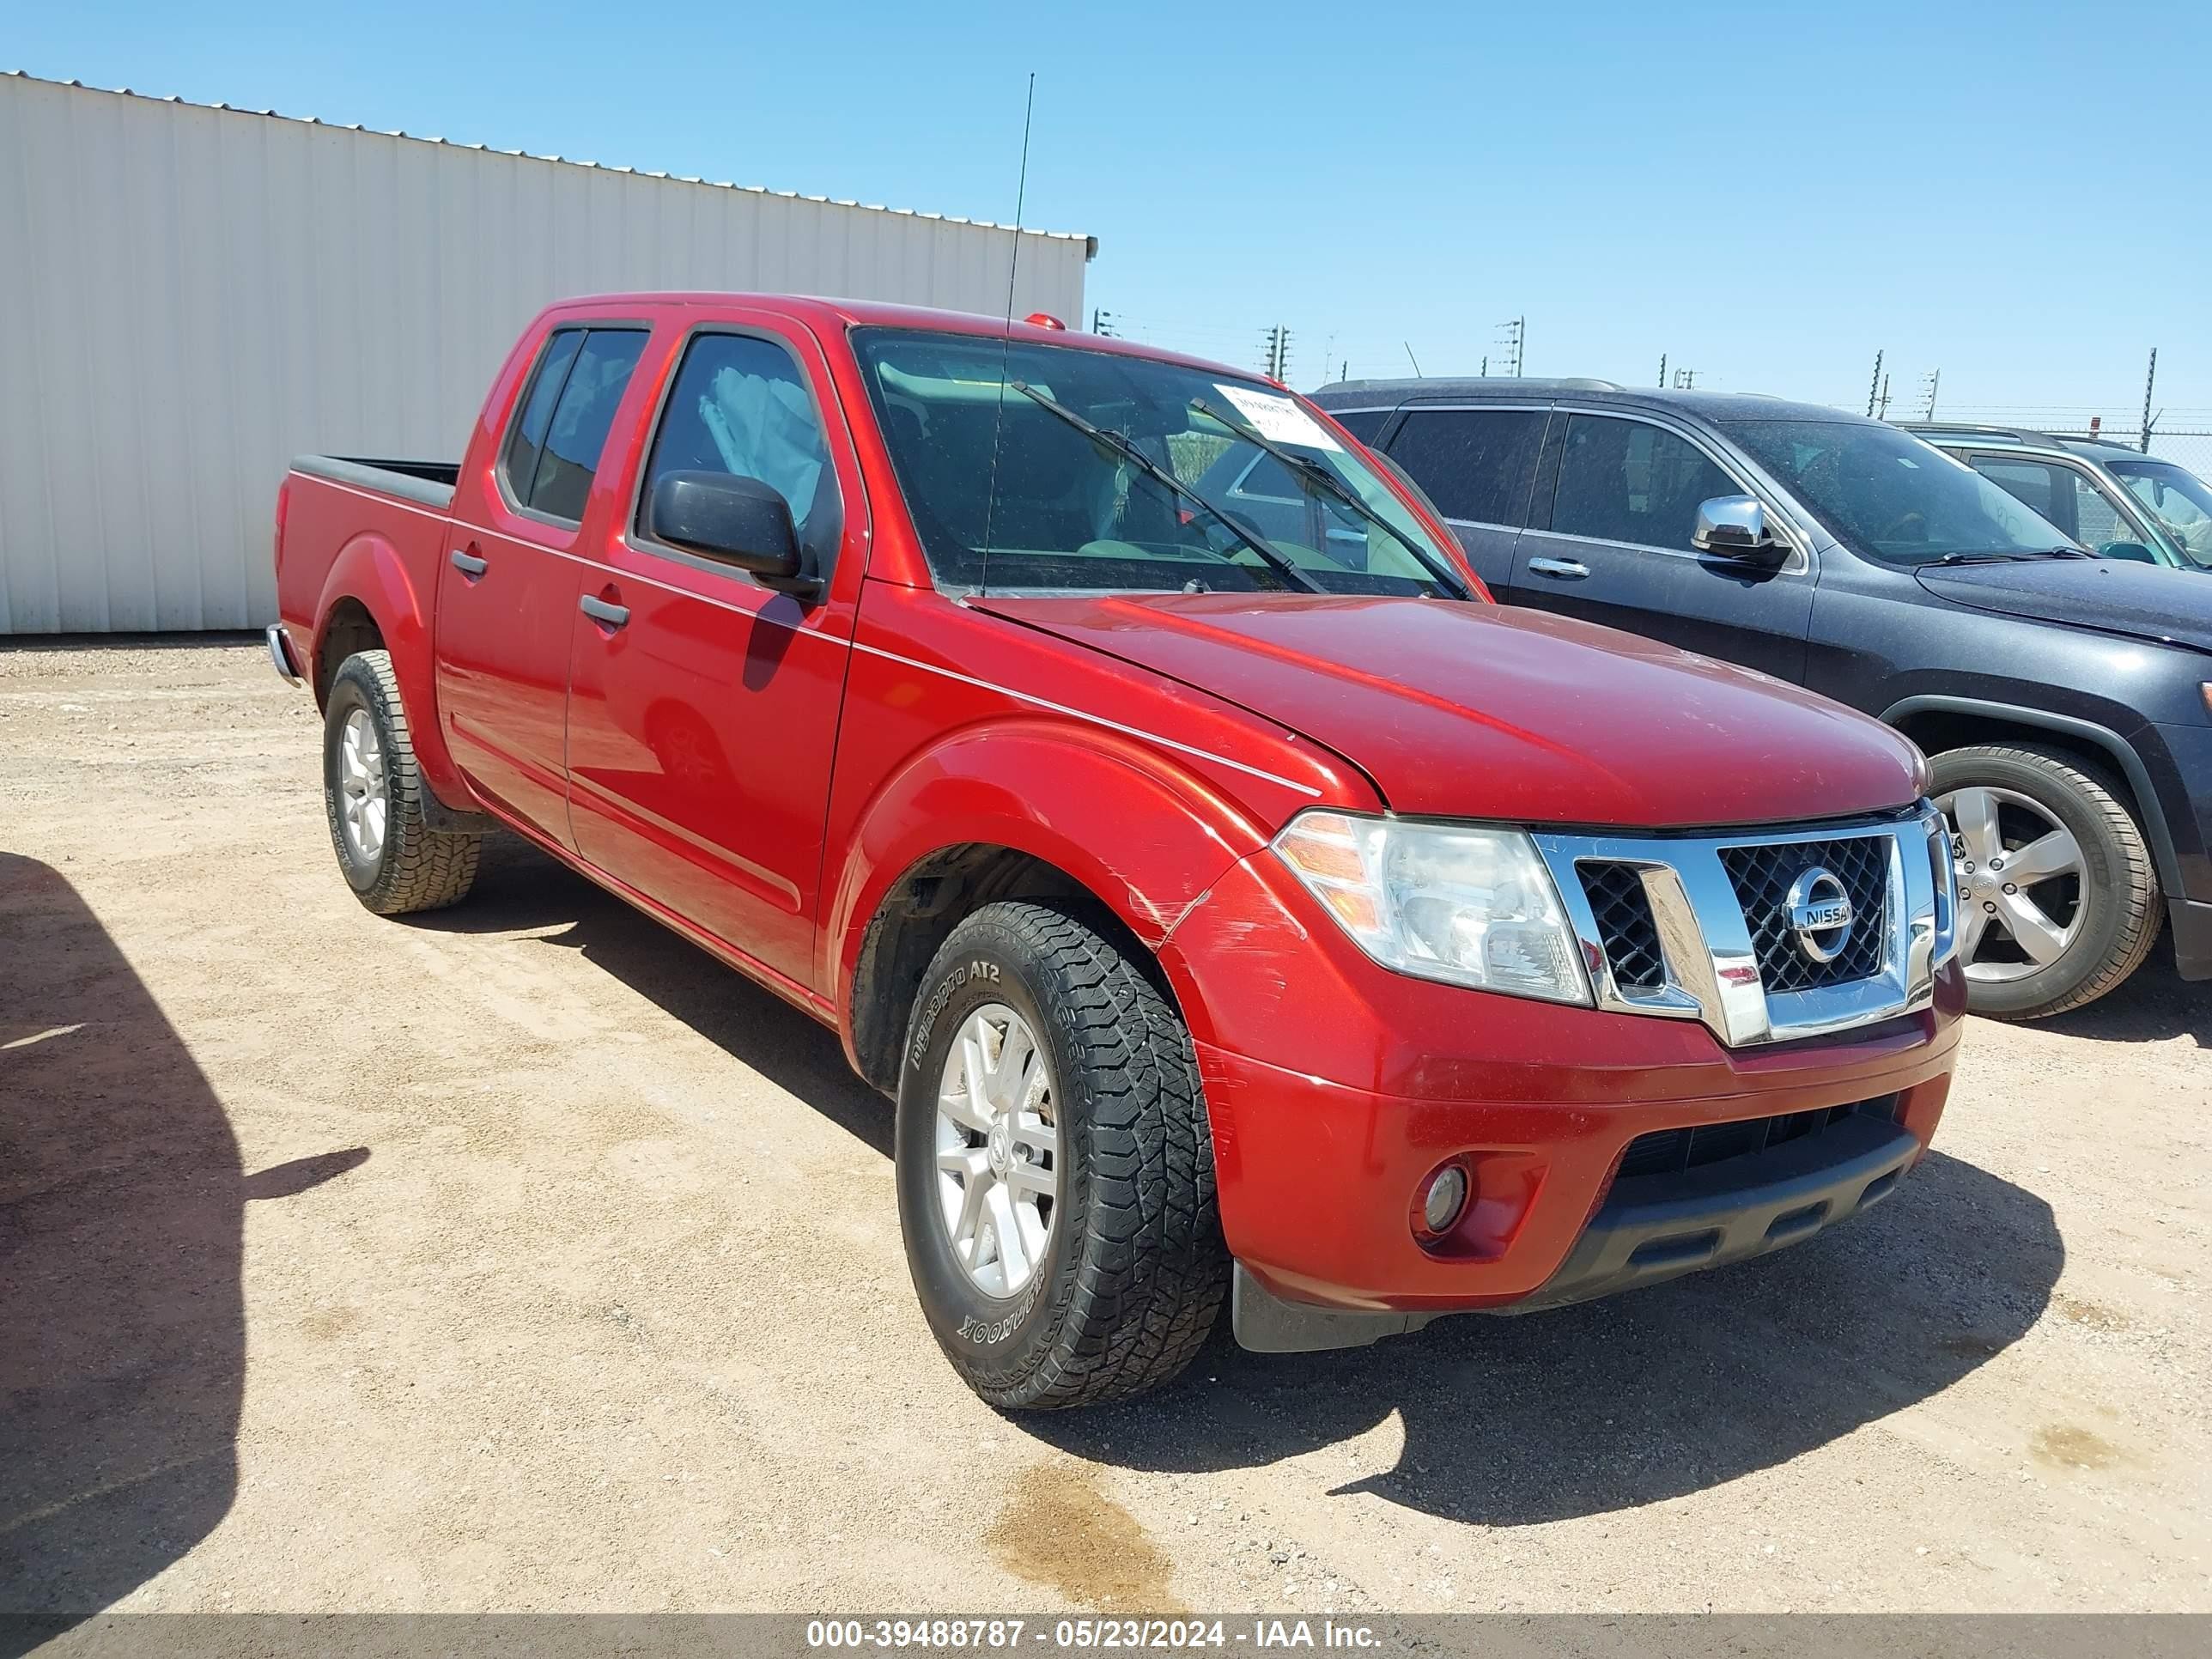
<point x="1821" y="914"/>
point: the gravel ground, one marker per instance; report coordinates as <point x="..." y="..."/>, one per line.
<point x="522" y="1257"/>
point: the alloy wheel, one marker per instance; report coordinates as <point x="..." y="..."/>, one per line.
<point x="2023" y="891"/>
<point x="998" y="1151"/>
<point x="364" y="799"/>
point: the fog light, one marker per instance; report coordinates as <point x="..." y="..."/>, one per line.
<point x="1445" y="1197"/>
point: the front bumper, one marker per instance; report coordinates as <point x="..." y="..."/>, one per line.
<point x="1319" y="1179"/>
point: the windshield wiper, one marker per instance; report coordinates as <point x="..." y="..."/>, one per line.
<point x="2013" y="555"/>
<point x="1314" y="474"/>
<point x="1114" y="444"/>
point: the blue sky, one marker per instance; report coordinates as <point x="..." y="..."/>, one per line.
<point x="2019" y="195"/>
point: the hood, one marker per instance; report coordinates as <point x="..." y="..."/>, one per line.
<point x="2114" y="596"/>
<point x="1474" y="711"/>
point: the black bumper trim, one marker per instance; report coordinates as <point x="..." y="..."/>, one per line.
<point x="1656" y="1227"/>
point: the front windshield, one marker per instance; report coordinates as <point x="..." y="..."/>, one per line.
<point x="2177" y="498"/>
<point x="1885" y="495"/>
<point x="1070" y="513"/>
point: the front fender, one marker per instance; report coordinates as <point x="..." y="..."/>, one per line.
<point x="1142" y="836"/>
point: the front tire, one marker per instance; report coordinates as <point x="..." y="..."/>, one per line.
<point x="2058" y="896"/>
<point x="1055" y="1166"/>
<point x="377" y="803"/>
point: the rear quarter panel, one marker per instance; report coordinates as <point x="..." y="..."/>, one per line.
<point x="339" y="543"/>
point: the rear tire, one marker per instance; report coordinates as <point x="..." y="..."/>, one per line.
<point x="2108" y="911"/>
<point x="1128" y="1267"/>
<point x="376" y="801"/>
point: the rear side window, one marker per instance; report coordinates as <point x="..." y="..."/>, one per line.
<point x="554" y="450"/>
<point x="1623" y="480"/>
<point x="740" y="406"/>
<point x="528" y="438"/>
<point x="1475" y="463"/>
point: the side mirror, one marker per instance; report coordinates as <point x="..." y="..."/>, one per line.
<point x="2135" y="552"/>
<point x="1733" y="526"/>
<point x="737" y="521"/>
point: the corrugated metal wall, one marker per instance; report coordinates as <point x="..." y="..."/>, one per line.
<point x="190" y="296"/>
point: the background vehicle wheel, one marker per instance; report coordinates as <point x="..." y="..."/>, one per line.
<point x="2058" y="897"/>
<point x="1054" y="1167"/>
<point x="374" y="796"/>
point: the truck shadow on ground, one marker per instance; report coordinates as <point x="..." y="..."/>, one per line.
<point x="1655" y="1394"/>
<point x="518" y="887"/>
<point x="2156" y="1004"/>
<point x="1507" y="1421"/>
<point x="122" y="1202"/>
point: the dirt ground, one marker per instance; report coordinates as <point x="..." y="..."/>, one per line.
<point x="521" y="1257"/>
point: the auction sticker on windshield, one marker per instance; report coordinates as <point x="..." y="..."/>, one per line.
<point x="1279" y="419"/>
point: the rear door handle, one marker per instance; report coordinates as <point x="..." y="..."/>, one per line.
<point x="1571" y="570"/>
<point x="608" y="616"/>
<point x="469" y="565"/>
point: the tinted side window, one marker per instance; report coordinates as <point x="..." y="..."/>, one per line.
<point x="740" y="406"/>
<point x="519" y="462"/>
<point x="1475" y="463"/>
<point x="1623" y="480"/>
<point x="1362" y="423"/>
<point x="578" y="430"/>
<point x="2028" y="482"/>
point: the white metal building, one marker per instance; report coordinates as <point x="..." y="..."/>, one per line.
<point x="191" y="296"/>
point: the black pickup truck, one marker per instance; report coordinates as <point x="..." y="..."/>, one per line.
<point x="2066" y="700"/>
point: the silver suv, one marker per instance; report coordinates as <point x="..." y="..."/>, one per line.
<point x="2116" y="503"/>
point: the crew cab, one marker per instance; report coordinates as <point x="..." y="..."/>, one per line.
<point x="2066" y="700"/>
<point x="1234" y="915"/>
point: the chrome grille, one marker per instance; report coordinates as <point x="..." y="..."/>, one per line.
<point x="1626" y="930"/>
<point x="1688" y="927"/>
<point x="1762" y="876"/>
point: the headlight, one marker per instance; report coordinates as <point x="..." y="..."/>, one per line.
<point x="1447" y="902"/>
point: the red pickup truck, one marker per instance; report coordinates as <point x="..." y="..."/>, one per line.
<point x="1236" y="904"/>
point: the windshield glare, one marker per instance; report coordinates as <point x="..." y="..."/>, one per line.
<point x="1068" y="514"/>
<point x="2177" y="498"/>
<point x="1885" y="495"/>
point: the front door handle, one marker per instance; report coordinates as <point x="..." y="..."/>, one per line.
<point x="607" y="616"/>
<point x="469" y="565"/>
<point x="1570" y="570"/>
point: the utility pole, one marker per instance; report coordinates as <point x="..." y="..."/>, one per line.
<point x="1278" y="353"/>
<point x="2149" y="380"/>
<point x="1874" y="386"/>
<point x="1686" y="379"/>
<point x="1928" y="382"/>
<point x="1516" y="331"/>
<point x="1102" y="322"/>
<point x="1885" y="398"/>
<point x="1662" y="371"/>
<point x="1485" y="370"/>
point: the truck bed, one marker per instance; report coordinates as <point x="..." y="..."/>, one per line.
<point x="430" y="482"/>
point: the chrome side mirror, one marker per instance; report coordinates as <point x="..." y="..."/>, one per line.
<point x="1733" y="526"/>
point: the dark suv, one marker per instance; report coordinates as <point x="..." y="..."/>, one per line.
<point x="2066" y="700"/>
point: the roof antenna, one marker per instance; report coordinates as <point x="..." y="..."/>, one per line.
<point x="1006" y="343"/>
<point x="1411" y="359"/>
